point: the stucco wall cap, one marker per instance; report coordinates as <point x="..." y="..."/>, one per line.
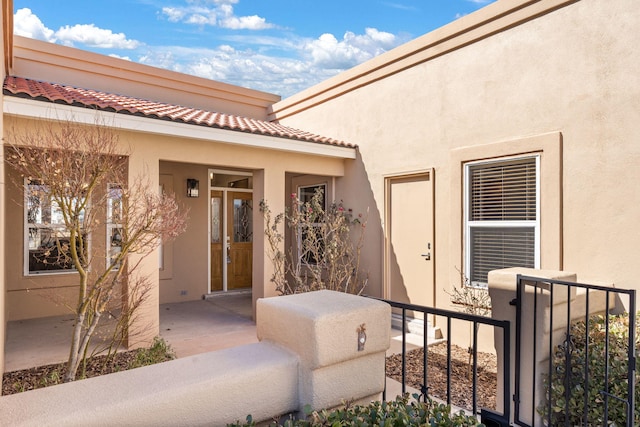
<point x="506" y="278"/>
<point x="322" y="326"/>
<point x="205" y="389"/>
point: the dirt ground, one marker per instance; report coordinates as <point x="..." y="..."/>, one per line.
<point x="461" y="369"/>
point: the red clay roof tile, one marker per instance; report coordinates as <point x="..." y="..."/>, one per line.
<point x="62" y="94"/>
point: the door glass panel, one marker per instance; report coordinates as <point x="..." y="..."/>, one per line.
<point x="216" y="205"/>
<point x="242" y="221"/>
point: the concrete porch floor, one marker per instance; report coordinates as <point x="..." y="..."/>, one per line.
<point x="190" y="328"/>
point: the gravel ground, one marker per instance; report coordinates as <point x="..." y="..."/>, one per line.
<point x="461" y="369"/>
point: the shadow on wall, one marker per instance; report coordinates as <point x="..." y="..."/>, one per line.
<point x="355" y="189"/>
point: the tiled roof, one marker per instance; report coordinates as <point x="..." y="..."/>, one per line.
<point x="62" y="94"/>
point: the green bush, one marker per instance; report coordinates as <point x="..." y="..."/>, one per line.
<point x="159" y="351"/>
<point x="597" y="364"/>
<point x="400" y="412"/>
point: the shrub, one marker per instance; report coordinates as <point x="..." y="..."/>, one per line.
<point x="400" y="412"/>
<point x="572" y="380"/>
<point x="326" y="247"/>
<point x="159" y="351"/>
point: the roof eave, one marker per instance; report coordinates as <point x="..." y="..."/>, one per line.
<point x="36" y="109"/>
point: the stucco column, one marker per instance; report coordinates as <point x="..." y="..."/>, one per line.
<point x="3" y="287"/>
<point x="3" y="204"/>
<point x="502" y="290"/>
<point x="145" y="166"/>
<point x="268" y="185"/>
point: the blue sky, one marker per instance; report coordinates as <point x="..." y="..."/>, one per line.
<point x="278" y="46"/>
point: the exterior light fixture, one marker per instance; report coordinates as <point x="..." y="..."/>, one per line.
<point x="193" y="186"/>
<point x="362" y="336"/>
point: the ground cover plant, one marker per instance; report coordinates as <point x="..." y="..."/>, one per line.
<point x="567" y="383"/>
<point x="48" y="375"/>
<point x="401" y="412"/>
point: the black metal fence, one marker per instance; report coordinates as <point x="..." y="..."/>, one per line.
<point x="581" y="356"/>
<point x="489" y="416"/>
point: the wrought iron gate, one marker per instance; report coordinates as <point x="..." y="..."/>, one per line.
<point x="502" y="328"/>
<point x="575" y="361"/>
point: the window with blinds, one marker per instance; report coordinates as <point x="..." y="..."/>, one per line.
<point x="502" y="216"/>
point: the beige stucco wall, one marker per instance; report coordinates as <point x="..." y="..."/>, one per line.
<point x="36" y="295"/>
<point x="190" y="264"/>
<point x="568" y="73"/>
<point x="186" y="259"/>
<point x="3" y="72"/>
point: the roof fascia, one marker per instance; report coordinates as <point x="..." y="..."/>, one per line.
<point x="490" y="20"/>
<point x="28" y="108"/>
<point x="7" y="34"/>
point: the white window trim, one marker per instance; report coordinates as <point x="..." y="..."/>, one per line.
<point x="323" y="184"/>
<point x="25" y="235"/>
<point x="478" y="224"/>
<point x="111" y="225"/>
<point x="317" y="224"/>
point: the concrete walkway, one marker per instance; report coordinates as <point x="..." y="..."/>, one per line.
<point x="189" y="327"/>
<point x="222" y="321"/>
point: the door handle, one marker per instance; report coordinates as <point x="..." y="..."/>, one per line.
<point x="427" y="256"/>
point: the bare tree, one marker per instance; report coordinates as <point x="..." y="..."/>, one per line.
<point x="75" y="176"/>
<point x="325" y="250"/>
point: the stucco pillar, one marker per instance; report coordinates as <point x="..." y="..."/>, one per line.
<point x="3" y="281"/>
<point x="146" y="325"/>
<point x="340" y="340"/>
<point x="3" y="204"/>
<point x="502" y="290"/>
<point x="268" y="185"/>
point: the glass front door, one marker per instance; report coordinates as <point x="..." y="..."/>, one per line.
<point x="231" y="232"/>
<point x="240" y="238"/>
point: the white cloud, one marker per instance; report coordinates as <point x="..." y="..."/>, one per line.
<point x="126" y="58"/>
<point x="306" y="63"/>
<point x="27" y="24"/>
<point x="282" y="65"/>
<point x="328" y="52"/>
<point x="253" y="22"/>
<point x="173" y="14"/>
<point x="221" y="15"/>
<point x="92" y="36"/>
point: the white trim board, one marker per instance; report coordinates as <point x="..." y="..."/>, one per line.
<point x="28" y="108"/>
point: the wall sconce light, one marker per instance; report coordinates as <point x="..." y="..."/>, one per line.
<point x="193" y="186"/>
<point x="362" y="336"/>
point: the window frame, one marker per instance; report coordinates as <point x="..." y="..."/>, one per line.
<point x="300" y="233"/>
<point x="112" y="225"/>
<point x="469" y="224"/>
<point x="58" y="228"/>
